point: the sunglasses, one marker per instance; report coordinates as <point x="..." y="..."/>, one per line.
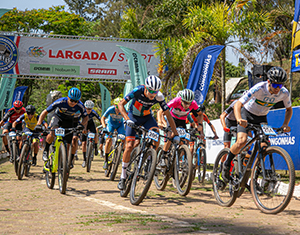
<point x="17" y="108"/>
<point x="276" y="85"/>
<point x="74" y="101"/>
<point x="186" y="103"/>
<point x="89" y="109"/>
<point x="152" y="92"/>
<point x="30" y="113"/>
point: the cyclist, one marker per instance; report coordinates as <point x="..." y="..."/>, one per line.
<point x="65" y="109"/>
<point x="89" y="105"/>
<point x="180" y="107"/>
<point x="143" y="98"/>
<point x="254" y="106"/>
<point x="30" y="119"/>
<point x="12" y="115"/>
<point x="115" y="122"/>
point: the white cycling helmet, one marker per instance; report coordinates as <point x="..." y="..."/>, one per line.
<point x="179" y="94"/>
<point x="153" y="83"/>
<point x="89" y="104"/>
<point x="187" y="95"/>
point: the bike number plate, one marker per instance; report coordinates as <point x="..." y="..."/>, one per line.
<point x="181" y="132"/>
<point x="91" y="135"/>
<point x="60" y="132"/>
<point x="268" y="130"/>
<point x="188" y="136"/>
<point x="12" y="134"/>
<point x="28" y="133"/>
<point x="121" y="136"/>
<point x="153" y="135"/>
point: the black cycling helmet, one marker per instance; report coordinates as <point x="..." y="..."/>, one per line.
<point x="30" y="109"/>
<point x="277" y="75"/>
<point x="202" y="108"/>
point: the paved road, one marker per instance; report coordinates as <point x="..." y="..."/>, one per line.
<point x="92" y="205"/>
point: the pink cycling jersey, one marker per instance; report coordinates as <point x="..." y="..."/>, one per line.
<point x="177" y="111"/>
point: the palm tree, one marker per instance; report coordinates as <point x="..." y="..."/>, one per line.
<point x="227" y="23"/>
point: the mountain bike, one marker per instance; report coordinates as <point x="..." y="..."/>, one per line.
<point x="59" y="160"/>
<point x="179" y="165"/>
<point x="272" y="175"/>
<point x="141" y="167"/>
<point x="90" y="150"/>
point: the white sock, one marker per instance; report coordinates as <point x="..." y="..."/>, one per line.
<point x="124" y="167"/>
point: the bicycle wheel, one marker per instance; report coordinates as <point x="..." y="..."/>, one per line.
<point x="22" y="164"/>
<point x="142" y="177"/>
<point x="130" y="173"/>
<point x="50" y="176"/>
<point x="272" y="194"/>
<point x="89" y="156"/>
<point x="115" y="162"/>
<point x="62" y="168"/>
<point x="160" y="177"/>
<point x="183" y="170"/>
<point x="201" y="165"/>
<point x="225" y="194"/>
<point x="109" y="160"/>
<point x="15" y="152"/>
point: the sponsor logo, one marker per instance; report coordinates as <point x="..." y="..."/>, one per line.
<point x="9" y="54"/>
<point x="287" y="140"/>
<point x="36" y="51"/>
<point x="38" y="68"/>
<point x="101" y="71"/>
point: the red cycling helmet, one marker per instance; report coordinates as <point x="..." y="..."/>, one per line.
<point x="18" y="104"/>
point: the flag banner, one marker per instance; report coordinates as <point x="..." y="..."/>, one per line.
<point x="295" y="67"/>
<point x="6" y="92"/>
<point x="85" y="58"/>
<point x="105" y="97"/>
<point x="250" y="79"/>
<point x="127" y="88"/>
<point x="296" y="26"/>
<point x="19" y="93"/>
<point x="137" y="66"/>
<point x="3" y="11"/>
<point x="202" y="71"/>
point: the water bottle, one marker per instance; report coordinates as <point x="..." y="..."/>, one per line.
<point x="246" y="159"/>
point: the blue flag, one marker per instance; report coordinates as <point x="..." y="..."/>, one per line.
<point x="202" y="71"/>
<point x="19" y="93"/>
<point x="250" y="79"/>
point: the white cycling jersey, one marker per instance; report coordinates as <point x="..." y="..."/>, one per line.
<point x="258" y="100"/>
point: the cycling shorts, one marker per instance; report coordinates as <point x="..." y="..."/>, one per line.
<point x="56" y="122"/>
<point x="35" y="134"/>
<point x="178" y="123"/>
<point x="145" y="121"/>
<point x="90" y="127"/>
<point x="120" y="129"/>
<point x="8" y="126"/>
<point x="251" y="118"/>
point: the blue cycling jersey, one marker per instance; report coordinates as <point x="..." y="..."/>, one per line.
<point x="64" y="111"/>
<point x="141" y="105"/>
<point x="94" y="114"/>
<point x="113" y="118"/>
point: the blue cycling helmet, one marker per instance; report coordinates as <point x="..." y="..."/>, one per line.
<point x="74" y="93"/>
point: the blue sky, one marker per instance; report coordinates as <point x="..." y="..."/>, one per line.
<point x="37" y="4"/>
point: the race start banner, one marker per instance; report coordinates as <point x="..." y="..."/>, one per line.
<point x="84" y="57"/>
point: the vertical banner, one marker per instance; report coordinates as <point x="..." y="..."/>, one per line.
<point x="19" y="93"/>
<point x="105" y="97"/>
<point x="3" y="11"/>
<point x="137" y="66"/>
<point x="6" y="91"/>
<point x="250" y="79"/>
<point x="127" y="88"/>
<point x="202" y="71"/>
<point x="295" y="66"/>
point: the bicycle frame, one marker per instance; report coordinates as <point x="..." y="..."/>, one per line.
<point x="54" y="155"/>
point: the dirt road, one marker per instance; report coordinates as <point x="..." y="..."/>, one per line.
<point x="92" y="205"/>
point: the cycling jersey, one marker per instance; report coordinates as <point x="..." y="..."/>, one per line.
<point x="30" y="123"/>
<point x="92" y="114"/>
<point x="113" y="118"/>
<point x="177" y="111"/>
<point x="230" y="113"/>
<point x="258" y="100"/>
<point x="64" y="111"/>
<point x="12" y="115"/>
<point x="141" y="105"/>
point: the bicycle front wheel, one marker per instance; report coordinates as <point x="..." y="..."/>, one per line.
<point x="115" y="162"/>
<point x="89" y="156"/>
<point x="142" y="177"/>
<point x="183" y="170"/>
<point x="15" y="152"/>
<point x="22" y="165"/>
<point x="201" y="165"/>
<point x="273" y="193"/>
<point x="50" y="176"/>
<point x="225" y="194"/>
<point x="62" y="168"/>
<point x="160" y="177"/>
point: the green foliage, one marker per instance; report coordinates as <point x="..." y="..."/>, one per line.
<point x="234" y="71"/>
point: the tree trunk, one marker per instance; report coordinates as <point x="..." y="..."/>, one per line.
<point x="223" y="78"/>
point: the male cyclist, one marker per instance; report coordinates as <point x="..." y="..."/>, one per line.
<point x="180" y="107"/>
<point x="89" y="105"/>
<point x="65" y="109"/>
<point x="254" y="106"/>
<point x="30" y="118"/>
<point x="12" y="115"/>
<point x="143" y="98"/>
<point x="115" y="122"/>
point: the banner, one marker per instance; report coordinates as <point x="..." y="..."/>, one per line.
<point x="105" y="97"/>
<point x="295" y="61"/>
<point x="202" y="71"/>
<point x="19" y="93"/>
<point x="296" y="26"/>
<point x="250" y="79"/>
<point x="71" y="57"/>
<point x="3" y="11"/>
<point x="127" y="88"/>
<point x="137" y="66"/>
<point x="6" y="91"/>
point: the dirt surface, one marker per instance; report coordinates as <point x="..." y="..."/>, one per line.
<point x="92" y="205"/>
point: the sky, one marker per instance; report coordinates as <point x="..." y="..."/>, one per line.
<point x="37" y="4"/>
